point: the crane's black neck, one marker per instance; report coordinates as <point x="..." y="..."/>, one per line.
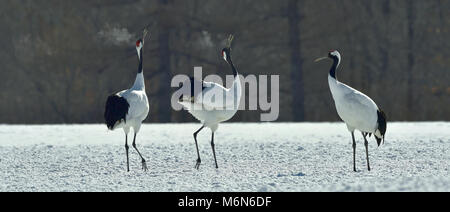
<point x="233" y="68"/>
<point x="334" y="67"/>
<point x="228" y="54"/>
<point x="140" y="61"/>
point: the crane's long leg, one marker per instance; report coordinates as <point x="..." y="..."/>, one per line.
<point x="354" y="152"/>
<point x="126" y="149"/>
<point x="214" y="149"/>
<point x="197" y="165"/>
<point x="144" y="164"/>
<point x="366" y="143"/>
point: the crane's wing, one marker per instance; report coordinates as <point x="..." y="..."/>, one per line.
<point x="356" y="97"/>
<point x="360" y="110"/>
<point x="362" y="100"/>
<point x="138" y="103"/>
<point x="211" y="96"/>
<point x="216" y="97"/>
<point x="190" y="97"/>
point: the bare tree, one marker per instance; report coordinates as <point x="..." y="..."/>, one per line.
<point x="294" y="18"/>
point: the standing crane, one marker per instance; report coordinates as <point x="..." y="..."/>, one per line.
<point x="211" y="112"/>
<point x="356" y="109"/>
<point x="128" y="108"/>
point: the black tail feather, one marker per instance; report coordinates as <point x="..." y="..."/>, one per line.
<point x="116" y="109"/>
<point x="381" y="126"/>
<point x="193" y="93"/>
<point x="378" y="140"/>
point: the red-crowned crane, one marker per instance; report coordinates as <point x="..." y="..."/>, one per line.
<point x="356" y="109"/>
<point x="211" y="111"/>
<point x="128" y="108"/>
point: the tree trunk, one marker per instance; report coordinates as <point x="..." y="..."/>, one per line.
<point x="410" y="73"/>
<point x="164" y="107"/>
<point x="298" y="106"/>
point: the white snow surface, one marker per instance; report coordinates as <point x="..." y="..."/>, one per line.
<point x="251" y="157"/>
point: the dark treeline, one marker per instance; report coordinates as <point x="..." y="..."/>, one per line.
<point x="59" y="60"/>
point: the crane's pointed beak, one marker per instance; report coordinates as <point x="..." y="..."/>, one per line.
<point x="319" y="59"/>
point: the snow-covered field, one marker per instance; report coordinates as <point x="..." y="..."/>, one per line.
<point x="251" y="157"/>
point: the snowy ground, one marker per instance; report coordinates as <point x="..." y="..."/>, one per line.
<point x="251" y="157"/>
